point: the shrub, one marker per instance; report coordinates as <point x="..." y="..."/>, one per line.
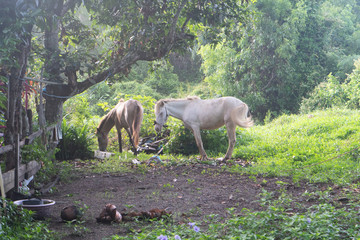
<point x="18" y="223"/>
<point x="76" y="142"/>
<point x="182" y="141"/>
<point x="326" y="95"/>
<point x="162" y="80"/>
<point x="333" y="93"/>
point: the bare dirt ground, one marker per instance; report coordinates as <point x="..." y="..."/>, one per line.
<point x="190" y="192"/>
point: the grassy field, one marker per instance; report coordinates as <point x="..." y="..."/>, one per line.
<point x="319" y="147"/>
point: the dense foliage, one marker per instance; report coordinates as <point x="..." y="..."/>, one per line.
<point x="285" y="49"/>
<point x="272" y="59"/>
<point x="335" y="93"/>
<point x="16" y="223"/>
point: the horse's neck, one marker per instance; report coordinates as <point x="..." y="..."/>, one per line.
<point x="107" y="122"/>
<point x="176" y="108"/>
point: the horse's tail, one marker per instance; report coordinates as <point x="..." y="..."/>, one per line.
<point x="240" y="116"/>
<point x="138" y="117"/>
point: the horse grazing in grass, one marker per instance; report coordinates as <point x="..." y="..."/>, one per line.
<point x="205" y="114"/>
<point x="126" y="114"/>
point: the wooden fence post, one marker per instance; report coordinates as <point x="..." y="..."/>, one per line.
<point x="2" y="191"/>
<point x="17" y="165"/>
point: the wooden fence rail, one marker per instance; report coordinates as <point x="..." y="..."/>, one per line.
<point x="24" y="170"/>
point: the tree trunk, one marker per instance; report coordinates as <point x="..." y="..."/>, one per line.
<point x="13" y="125"/>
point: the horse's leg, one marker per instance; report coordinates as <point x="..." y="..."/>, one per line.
<point x="119" y="139"/>
<point x="231" y="132"/>
<point x="131" y="141"/>
<point x="118" y="128"/>
<point x="197" y="135"/>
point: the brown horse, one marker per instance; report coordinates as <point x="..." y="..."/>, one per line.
<point x="126" y="114"/>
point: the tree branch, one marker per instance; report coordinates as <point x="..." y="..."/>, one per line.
<point x="269" y="82"/>
<point x="184" y="25"/>
<point x="117" y="67"/>
<point x="171" y="36"/>
<point x="68" y="5"/>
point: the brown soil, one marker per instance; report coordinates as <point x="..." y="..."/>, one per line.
<point x="190" y="192"/>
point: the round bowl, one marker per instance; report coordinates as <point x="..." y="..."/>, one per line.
<point x="41" y="207"/>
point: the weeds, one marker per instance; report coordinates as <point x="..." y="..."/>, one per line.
<point x="278" y="221"/>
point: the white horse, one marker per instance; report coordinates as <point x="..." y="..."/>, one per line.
<point x="205" y="114"/>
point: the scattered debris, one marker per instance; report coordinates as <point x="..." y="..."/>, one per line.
<point x="153" y="144"/>
<point x="70" y="213"/>
<point x="24" y="189"/>
<point x="101" y="154"/>
<point x="244" y="163"/>
<point x="46" y="188"/>
<point x="154" y="159"/>
<point x="136" y="162"/>
<point x="151" y="214"/>
<point x="109" y="214"/>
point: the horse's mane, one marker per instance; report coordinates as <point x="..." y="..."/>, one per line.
<point x="105" y="119"/>
<point x="162" y="101"/>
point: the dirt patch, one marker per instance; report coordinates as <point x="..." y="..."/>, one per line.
<point x="190" y="192"/>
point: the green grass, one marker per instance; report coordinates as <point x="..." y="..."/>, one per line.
<point x="277" y="221"/>
<point x="319" y="147"/>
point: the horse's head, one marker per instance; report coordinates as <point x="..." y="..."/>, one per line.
<point x="102" y="140"/>
<point x="161" y="115"/>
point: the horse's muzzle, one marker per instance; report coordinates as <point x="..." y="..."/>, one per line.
<point x="158" y="127"/>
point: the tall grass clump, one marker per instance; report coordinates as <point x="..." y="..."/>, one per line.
<point x="76" y="142"/>
<point x="322" y="146"/>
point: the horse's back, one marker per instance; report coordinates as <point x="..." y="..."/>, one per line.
<point x="134" y="106"/>
<point x="216" y="105"/>
<point x="211" y="113"/>
<point x="129" y="111"/>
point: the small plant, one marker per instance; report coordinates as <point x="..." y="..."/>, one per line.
<point x="190" y="181"/>
<point x="168" y="185"/>
<point x="77" y="225"/>
<point x="78" y="228"/>
<point x="321" y="196"/>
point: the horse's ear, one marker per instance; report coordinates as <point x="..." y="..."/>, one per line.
<point x="160" y="103"/>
